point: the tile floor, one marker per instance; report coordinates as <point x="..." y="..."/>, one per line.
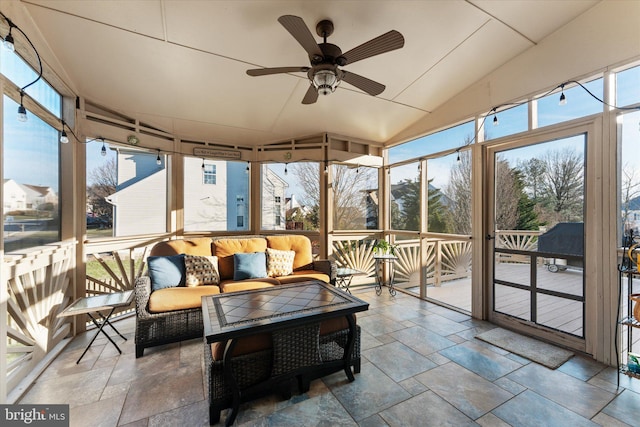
<point x="421" y="366"/>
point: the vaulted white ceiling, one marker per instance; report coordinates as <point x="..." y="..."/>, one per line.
<point x="181" y="66"/>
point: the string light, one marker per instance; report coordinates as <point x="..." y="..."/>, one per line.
<point x="326" y="167"/>
<point x="8" y="41"/>
<point x="495" y="120"/>
<point x="202" y="163"/>
<point x="63" y="137"/>
<point x="285" y="168"/>
<point x="103" y="151"/>
<point x="358" y="169"/>
<point x="158" y="159"/>
<point x="247" y="169"/>
<point x="22" y="112"/>
<point x="563" y="99"/>
<point x="458" y="159"/>
<point x="9" y="44"/>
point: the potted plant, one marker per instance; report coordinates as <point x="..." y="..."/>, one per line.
<point x="383" y="247"/>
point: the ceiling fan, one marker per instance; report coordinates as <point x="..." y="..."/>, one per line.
<point x="326" y="59"/>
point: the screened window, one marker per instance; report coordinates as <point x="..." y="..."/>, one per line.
<point x="628" y="87"/>
<point x="629" y="173"/>
<point x="449" y="193"/>
<point x="355" y="197"/>
<point x="209" y="174"/>
<point x="454" y="137"/>
<point x="126" y="191"/>
<point x="219" y="207"/>
<point x="578" y="103"/>
<point x="31" y="181"/>
<point x="405" y="197"/>
<point x="290" y="196"/>
<point x="506" y="122"/>
<point x="20" y="73"/>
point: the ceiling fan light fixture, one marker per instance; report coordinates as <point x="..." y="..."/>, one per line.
<point x="325" y="81"/>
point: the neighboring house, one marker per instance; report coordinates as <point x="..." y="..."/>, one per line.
<point x="216" y="197"/>
<point x="26" y="196"/>
<point x="273" y="200"/>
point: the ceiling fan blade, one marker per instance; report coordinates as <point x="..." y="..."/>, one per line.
<point x="299" y="30"/>
<point x="311" y="96"/>
<point x="385" y="43"/>
<point x="276" y="70"/>
<point x="363" y="83"/>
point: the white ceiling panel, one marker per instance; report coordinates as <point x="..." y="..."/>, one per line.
<point x="182" y="64"/>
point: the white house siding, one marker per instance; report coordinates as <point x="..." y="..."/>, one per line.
<point x="273" y="186"/>
<point x="205" y="205"/>
<point x="14" y="196"/>
<point x="140" y="204"/>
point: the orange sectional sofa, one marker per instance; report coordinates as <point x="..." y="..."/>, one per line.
<point x="173" y="313"/>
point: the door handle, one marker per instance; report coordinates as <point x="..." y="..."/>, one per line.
<point x="489" y="237"/>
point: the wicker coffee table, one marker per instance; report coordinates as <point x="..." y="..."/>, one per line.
<point x="292" y="313"/>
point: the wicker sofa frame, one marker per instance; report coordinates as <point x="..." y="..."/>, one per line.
<point x="159" y="328"/>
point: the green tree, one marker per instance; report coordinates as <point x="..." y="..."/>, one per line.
<point x="527" y="215"/>
<point x="439" y="220"/>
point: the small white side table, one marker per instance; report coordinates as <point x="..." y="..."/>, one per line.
<point x="97" y="304"/>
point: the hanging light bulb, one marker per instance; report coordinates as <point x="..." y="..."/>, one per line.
<point x="358" y="169"/>
<point x="563" y="99"/>
<point x="495" y="120"/>
<point x="202" y="163"/>
<point x="285" y="169"/>
<point x="22" y="112"/>
<point x="8" y="41"/>
<point x="63" y="137"/>
<point x="326" y="168"/>
<point x="158" y="159"/>
<point x="458" y="159"/>
<point x="247" y="169"/>
<point x="103" y="151"/>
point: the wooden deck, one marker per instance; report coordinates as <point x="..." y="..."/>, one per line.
<point x="558" y="313"/>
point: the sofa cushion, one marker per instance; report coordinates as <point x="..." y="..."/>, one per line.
<point x="279" y="263"/>
<point x="225" y="248"/>
<point x="196" y="246"/>
<point x="245" y="345"/>
<point x="249" y="266"/>
<point x="166" y="271"/>
<point x="301" y="245"/>
<point x="247" y="285"/>
<point x="182" y="298"/>
<point x="303" y="275"/>
<point x="201" y="270"/>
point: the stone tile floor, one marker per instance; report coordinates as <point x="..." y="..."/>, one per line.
<point x="421" y="366"/>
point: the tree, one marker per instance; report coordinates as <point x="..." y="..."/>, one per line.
<point x="439" y="220"/>
<point x="562" y="189"/>
<point x="407" y="218"/>
<point x="630" y="190"/>
<point x="458" y="192"/>
<point x="104" y="180"/>
<point x="533" y="171"/>
<point x="349" y="187"/>
<point x="527" y="215"/>
<point x="506" y="196"/>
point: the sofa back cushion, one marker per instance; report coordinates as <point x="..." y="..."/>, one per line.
<point x="225" y="248"/>
<point x="196" y="246"/>
<point x="301" y="245"/>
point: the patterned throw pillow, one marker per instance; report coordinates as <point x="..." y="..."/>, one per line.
<point x="279" y="263"/>
<point x="201" y="270"/>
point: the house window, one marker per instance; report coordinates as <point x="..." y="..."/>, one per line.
<point x="209" y="174"/>
<point x="277" y="210"/>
